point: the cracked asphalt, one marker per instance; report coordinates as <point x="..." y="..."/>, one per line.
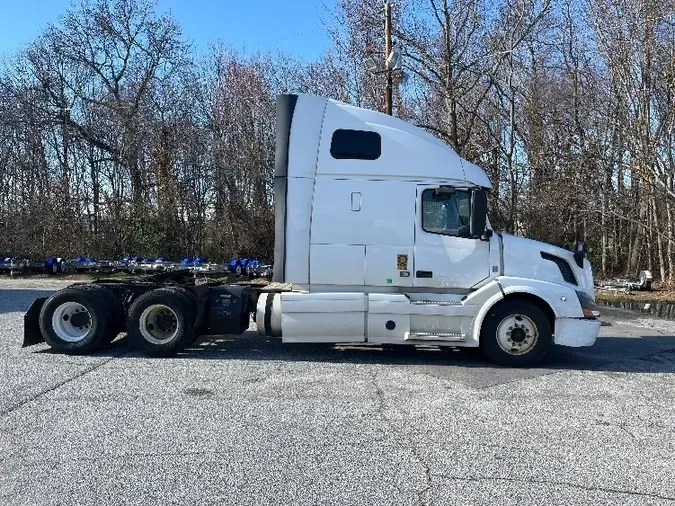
<point x="252" y="421"/>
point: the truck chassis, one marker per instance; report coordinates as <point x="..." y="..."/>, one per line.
<point x="160" y="313"/>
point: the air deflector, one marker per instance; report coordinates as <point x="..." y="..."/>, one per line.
<point x="285" y="110"/>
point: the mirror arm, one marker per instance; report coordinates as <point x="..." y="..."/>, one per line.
<point x="487" y="235"/>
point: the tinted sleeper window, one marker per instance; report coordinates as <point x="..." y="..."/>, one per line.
<point x="356" y="145"/>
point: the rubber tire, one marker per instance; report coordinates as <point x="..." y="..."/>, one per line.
<point x="52" y="269"/>
<point x="114" y="300"/>
<point x="188" y="295"/>
<point x="182" y="303"/>
<point x="102" y="316"/>
<point x="198" y="330"/>
<point x="488" y="336"/>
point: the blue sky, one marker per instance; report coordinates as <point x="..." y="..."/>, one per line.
<point x="293" y="26"/>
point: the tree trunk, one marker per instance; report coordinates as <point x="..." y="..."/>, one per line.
<point x="669" y="216"/>
<point x="659" y="239"/>
<point x="603" y="224"/>
<point x="649" y="235"/>
<point x="640" y="233"/>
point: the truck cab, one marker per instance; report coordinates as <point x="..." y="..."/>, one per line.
<point x="382" y="236"/>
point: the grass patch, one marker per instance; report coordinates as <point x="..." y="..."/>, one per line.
<point x="663" y="296"/>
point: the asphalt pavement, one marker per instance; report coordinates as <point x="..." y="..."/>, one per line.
<point x="252" y="421"/>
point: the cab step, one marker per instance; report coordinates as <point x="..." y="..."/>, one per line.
<point x="436" y="336"/>
<point x="435" y="303"/>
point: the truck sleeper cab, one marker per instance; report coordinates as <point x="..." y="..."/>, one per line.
<point x="382" y="237"/>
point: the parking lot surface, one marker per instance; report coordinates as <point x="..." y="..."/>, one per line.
<point x="252" y="421"/>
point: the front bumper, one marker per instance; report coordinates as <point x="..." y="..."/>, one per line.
<point x="576" y="331"/>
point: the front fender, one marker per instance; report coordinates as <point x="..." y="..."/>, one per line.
<point x="562" y="300"/>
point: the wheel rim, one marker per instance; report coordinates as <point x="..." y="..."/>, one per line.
<point x="159" y="324"/>
<point x="71" y="322"/>
<point x="517" y="334"/>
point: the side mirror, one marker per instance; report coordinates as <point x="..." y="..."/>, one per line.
<point x="478" y="217"/>
<point x="580" y="251"/>
<point x="581" y="247"/>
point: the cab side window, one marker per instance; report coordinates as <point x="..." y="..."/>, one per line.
<point x="446" y="211"/>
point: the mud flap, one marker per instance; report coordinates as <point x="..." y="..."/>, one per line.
<point x="31" y="323"/>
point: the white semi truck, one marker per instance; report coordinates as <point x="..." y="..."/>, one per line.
<point x="381" y="237"/>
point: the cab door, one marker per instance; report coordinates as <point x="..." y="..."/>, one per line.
<point x="444" y="256"/>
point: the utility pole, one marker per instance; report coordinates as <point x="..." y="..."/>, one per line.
<point x="388" y="92"/>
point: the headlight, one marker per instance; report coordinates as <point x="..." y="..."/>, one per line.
<point x="590" y="308"/>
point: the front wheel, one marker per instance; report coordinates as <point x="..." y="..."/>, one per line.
<point x="516" y="333"/>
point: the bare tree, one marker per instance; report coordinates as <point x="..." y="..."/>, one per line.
<point x="117" y="138"/>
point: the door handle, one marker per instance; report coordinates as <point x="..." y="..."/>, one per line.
<point x="356" y="201"/>
<point x="424" y="274"/>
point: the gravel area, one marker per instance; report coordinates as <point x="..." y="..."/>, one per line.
<point x="252" y="421"/>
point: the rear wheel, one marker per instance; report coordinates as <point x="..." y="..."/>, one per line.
<point x="76" y="321"/>
<point x="516" y="333"/>
<point x="114" y="300"/>
<point x="162" y="322"/>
